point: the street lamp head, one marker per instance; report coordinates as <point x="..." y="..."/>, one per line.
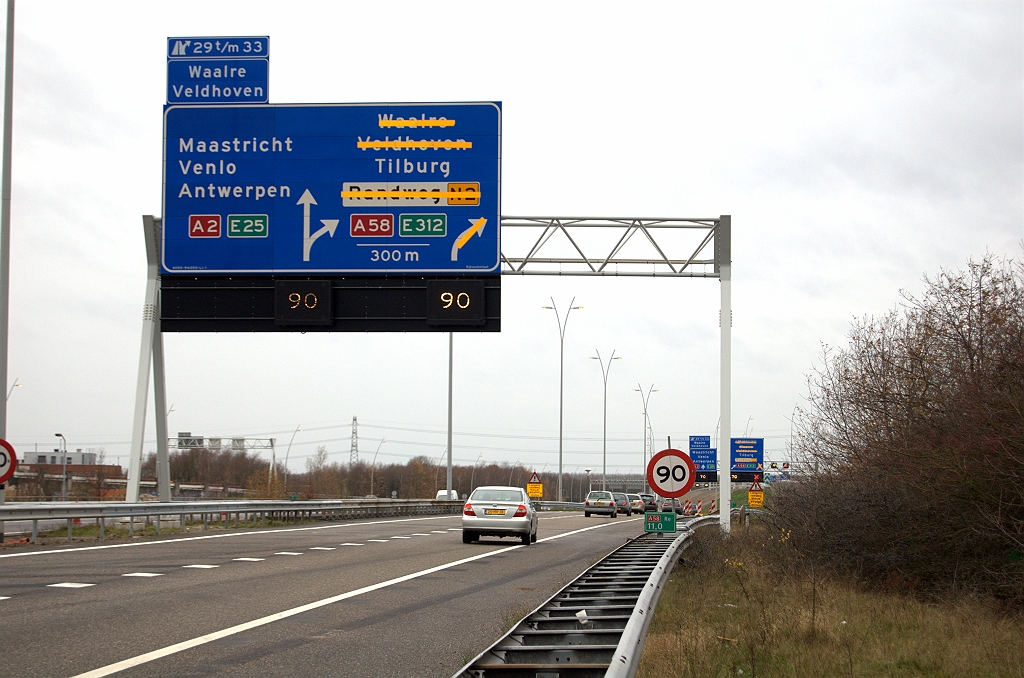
<point x="617" y="358"/>
<point x="587" y="470"/>
<point x="548" y="308"/>
<point x="577" y="308"/>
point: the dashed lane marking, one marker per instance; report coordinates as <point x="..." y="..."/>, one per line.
<point x="263" y="621"/>
<point x="351" y="543"/>
<point x="287" y="553"/>
<point x="222" y="536"/>
<point x="249" y="560"/>
<point x="419" y="534"/>
<point x="401" y="537"/>
<point x="200" y="567"/>
<point x="143" y="574"/>
<point x="69" y="585"/>
<point x="379" y="541"/>
<point x="440" y="531"/>
<point x="321" y="548"/>
<point x="5" y="597"/>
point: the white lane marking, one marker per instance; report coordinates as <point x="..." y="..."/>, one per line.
<point x="419" y="534"/>
<point x="249" y="560"/>
<point x="263" y="621"/>
<point x="143" y="574"/>
<point x="200" y="567"/>
<point x="379" y="541"/>
<point x="69" y="585"/>
<point x="455" y="529"/>
<point x="351" y="543"/>
<point x="401" y="537"/>
<point x="221" y="536"/>
<point x="5" y="597"/>
<point x="321" y="548"/>
<point x="287" y="553"/>
<point x="440" y="531"/>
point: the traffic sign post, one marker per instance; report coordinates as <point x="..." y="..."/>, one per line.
<point x="670" y="473"/>
<point x="534" y="488"/>
<point x="755" y="495"/>
<point x="660" y="522"/>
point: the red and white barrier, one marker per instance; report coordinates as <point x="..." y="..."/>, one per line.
<point x="700" y="507"/>
<point x="687" y="508"/>
<point x="712" y="508"/>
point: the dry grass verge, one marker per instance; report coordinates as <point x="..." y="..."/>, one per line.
<point x="730" y="610"/>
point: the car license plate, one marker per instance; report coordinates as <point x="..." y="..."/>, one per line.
<point x="494" y="512"/>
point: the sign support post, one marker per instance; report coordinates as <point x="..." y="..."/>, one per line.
<point x="451" y="356"/>
<point x="723" y="262"/>
<point x="151" y="354"/>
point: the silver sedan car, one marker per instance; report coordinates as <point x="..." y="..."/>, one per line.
<point x="495" y="511"/>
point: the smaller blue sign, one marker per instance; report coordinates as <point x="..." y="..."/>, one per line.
<point x="218" y="81"/>
<point x="251" y="47"/>
<point x="746" y="455"/>
<point x="704" y="459"/>
<point x="700" y="442"/>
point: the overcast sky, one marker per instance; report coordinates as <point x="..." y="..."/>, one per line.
<point x="857" y="146"/>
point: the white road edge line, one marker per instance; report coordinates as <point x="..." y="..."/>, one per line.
<point x="221" y="536"/>
<point x="263" y="621"/>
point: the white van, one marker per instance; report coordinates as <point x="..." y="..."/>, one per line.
<point x="446" y="494"/>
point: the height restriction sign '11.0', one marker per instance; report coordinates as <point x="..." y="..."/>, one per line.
<point x="339" y="189"/>
<point x="671" y="473"/>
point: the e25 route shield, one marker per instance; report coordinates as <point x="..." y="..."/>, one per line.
<point x="340" y="188"/>
<point x="671" y="473"/>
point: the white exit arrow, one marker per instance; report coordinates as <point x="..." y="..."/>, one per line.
<point x="329" y="225"/>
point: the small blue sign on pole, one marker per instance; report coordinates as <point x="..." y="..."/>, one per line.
<point x="746" y="455"/>
<point x="700" y="442"/>
<point x="218" y="70"/>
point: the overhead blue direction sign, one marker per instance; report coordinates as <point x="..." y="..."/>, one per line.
<point x="342" y="188"/>
<point x="218" y="48"/>
<point x="747" y="455"/>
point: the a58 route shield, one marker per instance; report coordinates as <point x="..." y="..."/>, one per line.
<point x="340" y="188"/>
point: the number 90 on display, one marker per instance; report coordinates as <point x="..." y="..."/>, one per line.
<point x="671" y="473"/>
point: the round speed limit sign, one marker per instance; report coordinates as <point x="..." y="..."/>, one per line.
<point x="8" y="461"/>
<point x="671" y="473"/>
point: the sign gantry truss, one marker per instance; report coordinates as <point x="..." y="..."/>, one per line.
<point x="611" y="246"/>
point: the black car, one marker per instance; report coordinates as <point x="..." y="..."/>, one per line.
<point x="622" y="503"/>
<point x="650" y="502"/>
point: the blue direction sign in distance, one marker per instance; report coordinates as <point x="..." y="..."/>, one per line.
<point x="747" y="455"/>
<point x="218" y="70"/>
<point x="705" y="457"/>
<point x="343" y="188"/>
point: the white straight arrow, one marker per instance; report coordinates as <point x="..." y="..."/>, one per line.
<point x="329" y="225"/>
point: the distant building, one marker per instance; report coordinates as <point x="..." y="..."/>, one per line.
<point x="76" y="458"/>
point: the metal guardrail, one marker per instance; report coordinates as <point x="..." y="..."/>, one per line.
<point x="332" y="509"/>
<point x="597" y="624"/>
<point x="631" y="644"/>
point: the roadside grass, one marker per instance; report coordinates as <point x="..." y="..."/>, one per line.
<point x="729" y="610"/>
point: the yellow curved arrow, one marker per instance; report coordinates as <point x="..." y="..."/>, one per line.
<point x="476" y="229"/>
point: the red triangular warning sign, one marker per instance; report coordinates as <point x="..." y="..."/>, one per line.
<point x="534" y="478"/>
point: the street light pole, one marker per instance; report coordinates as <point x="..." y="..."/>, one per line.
<point x="64" y="469"/>
<point x="472" y="476"/>
<point x="562" y="323"/>
<point x="645" y="399"/>
<point x="604" y="436"/>
<point x="286" y="454"/>
<point x="12" y="388"/>
<point x="373" y="467"/>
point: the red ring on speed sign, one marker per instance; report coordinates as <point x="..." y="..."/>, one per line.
<point x="671" y="485"/>
<point x="8" y="461"/>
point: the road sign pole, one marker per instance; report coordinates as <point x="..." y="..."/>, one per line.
<point x="723" y="256"/>
<point x="150" y="318"/>
<point x="5" y="219"/>
<point x="163" y="468"/>
<point x="451" y="355"/>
